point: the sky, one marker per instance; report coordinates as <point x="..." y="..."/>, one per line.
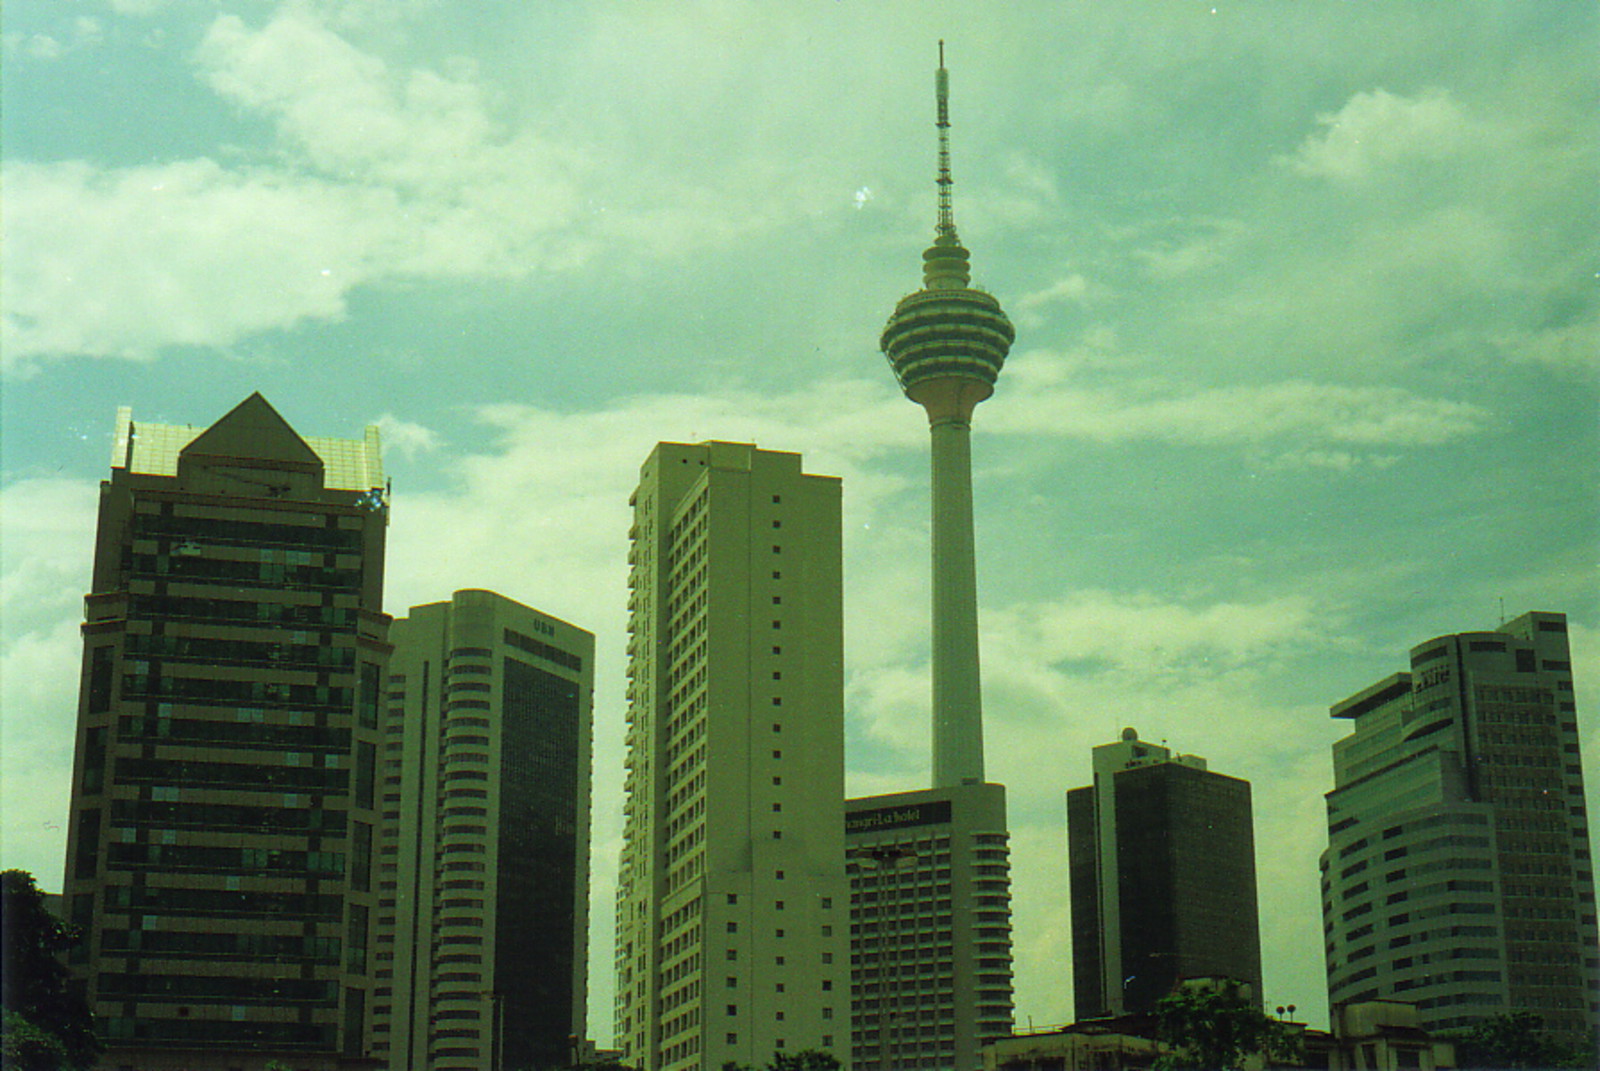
<point x="1307" y="366"/>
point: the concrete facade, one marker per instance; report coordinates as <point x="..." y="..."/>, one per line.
<point x="930" y="926"/>
<point x="1458" y="873"/>
<point x="732" y="910"/>
<point x="483" y="876"/>
<point x="224" y="807"/>
<point x="1161" y="855"/>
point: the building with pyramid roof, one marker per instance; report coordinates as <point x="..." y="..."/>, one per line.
<point x="224" y="799"/>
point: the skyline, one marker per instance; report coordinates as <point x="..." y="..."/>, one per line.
<point x="1305" y="309"/>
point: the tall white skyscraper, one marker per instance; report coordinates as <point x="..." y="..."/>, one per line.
<point x="947" y="872"/>
<point x="732" y="924"/>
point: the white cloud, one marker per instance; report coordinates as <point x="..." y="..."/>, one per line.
<point x="1377" y="129"/>
<point x="406" y="437"/>
<point x="126" y="261"/>
<point x="46" y="537"/>
<point x="1311" y="414"/>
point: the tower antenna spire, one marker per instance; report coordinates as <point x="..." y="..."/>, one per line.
<point x="941" y="86"/>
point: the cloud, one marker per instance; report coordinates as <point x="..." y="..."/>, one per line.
<point x="123" y="262"/>
<point x="1301" y="412"/>
<point x="46" y="535"/>
<point x="391" y="176"/>
<point x="406" y="437"/>
<point x="1378" y="129"/>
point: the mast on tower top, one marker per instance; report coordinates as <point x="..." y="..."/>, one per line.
<point x="941" y="86"/>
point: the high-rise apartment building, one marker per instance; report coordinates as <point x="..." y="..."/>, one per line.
<point x="1161" y="858"/>
<point x="731" y="911"/>
<point x="950" y="927"/>
<point x="224" y="803"/>
<point x="1458" y="873"/>
<point x="483" y="869"/>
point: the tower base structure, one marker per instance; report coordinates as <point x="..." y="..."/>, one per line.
<point x="930" y="926"/>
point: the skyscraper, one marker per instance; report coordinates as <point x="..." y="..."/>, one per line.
<point x="930" y="895"/>
<point x="1161" y="857"/>
<point x="483" y="875"/>
<point x="224" y="793"/>
<point x="1458" y="873"/>
<point x="731" y="915"/>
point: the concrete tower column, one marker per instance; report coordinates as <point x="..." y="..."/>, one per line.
<point x="957" y="697"/>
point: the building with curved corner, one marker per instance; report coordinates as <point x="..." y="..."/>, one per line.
<point x="1458" y="873"/>
<point x="483" y="874"/>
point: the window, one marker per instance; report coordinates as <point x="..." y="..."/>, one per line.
<point x="733" y="983"/>
<point x="733" y="927"/>
<point x="733" y="953"/>
<point x="827" y="902"/>
<point x="733" y="1009"/>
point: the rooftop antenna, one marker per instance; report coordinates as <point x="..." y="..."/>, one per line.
<point x="1502" y="611"/>
<point x="941" y="83"/>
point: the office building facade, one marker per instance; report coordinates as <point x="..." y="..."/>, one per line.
<point x="1458" y="873"/>
<point x="220" y="847"/>
<point x="483" y="871"/>
<point x="731" y="897"/>
<point x="1161" y="859"/>
<point x="930" y="926"/>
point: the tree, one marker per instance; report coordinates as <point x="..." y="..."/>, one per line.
<point x="46" y="1026"/>
<point x="1214" y="1028"/>
<point x="1516" y="1040"/>
<point x="805" y="1060"/>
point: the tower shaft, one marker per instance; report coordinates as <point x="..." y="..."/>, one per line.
<point x="957" y="695"/>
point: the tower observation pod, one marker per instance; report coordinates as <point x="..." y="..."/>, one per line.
<point x="946" y="344"/>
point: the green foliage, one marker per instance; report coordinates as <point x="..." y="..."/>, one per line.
<point x="46" y="1027"/>
<point x="806" y="1060"/>
<point x="1215" y="1029"/>
<point x="1516" y="1040"/>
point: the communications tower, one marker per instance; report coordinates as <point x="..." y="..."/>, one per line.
<point x="930" y="871"/>
<point x="947" y="343"/>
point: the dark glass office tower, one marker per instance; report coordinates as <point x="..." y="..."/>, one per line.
<point x="483" y="912"/>
<point x="221" y="843"/>
<point x="1161" y="854"/>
